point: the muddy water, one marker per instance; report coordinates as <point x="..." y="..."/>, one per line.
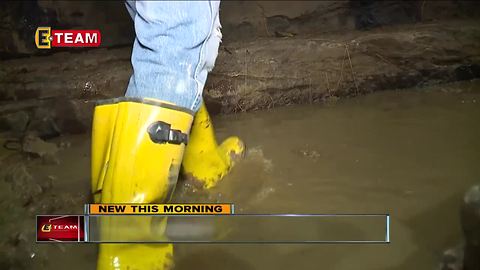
<point x="410" y="153"/>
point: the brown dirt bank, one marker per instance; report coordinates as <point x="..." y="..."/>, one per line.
<point x="54" y="94"/>
<point x="275" y="72"/>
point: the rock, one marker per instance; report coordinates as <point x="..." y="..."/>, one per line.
<point x="21" y="197"/>
<point x="64" y="144"/>
<point x="21" y="182"/>
<point x="467" y="72"/>
<point x="62" y="116"/>
<point x="37" y="147"/>
<point x="470" y="219"/>
<point x="264" y="18"/>
<point x="452" y="259"/>
<point x="17" y="175"/>
<point x="43" y="124"/>
<point x="16" y="122"/>
<point x="73" y="116"/>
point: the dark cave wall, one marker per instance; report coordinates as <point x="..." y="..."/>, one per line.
<point x="21" y="18"/>
<point x="241" y="20"/>
<point x="328" y="45"/>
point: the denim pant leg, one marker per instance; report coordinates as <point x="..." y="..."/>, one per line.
<point x="175" y="47"/>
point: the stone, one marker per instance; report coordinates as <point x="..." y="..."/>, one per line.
<point x="470" y="219"/>
<point x="36" y="147"/>
<point x="73" y="116"/>
<point x="16" y="122"/>
<point x="43" y="124"/>
<point x="452" y="259"/>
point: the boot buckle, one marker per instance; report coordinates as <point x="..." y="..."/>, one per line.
<point x="161" y="132"/>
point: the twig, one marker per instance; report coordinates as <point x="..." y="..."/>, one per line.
<point x="328" y="83"/>
<point x="383" y="58"/>
<point x="310" y="90"/>
<point x="341" y="73"/>
<point x="240" y="106"/>
<point x="246" y="71"/>
<point x="351" y="69"/>
<point x="273" y="101"/>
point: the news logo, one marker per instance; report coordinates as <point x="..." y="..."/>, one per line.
<point x="46" y="227"/>
<point x="46" y="38"/>
<point x="60" y="228"/>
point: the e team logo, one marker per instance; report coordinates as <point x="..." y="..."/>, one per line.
<point x="60" y="228"/>
<point x="54" y="227"/>
<point x="46" y="227"/>
<point x="46" y="38"/>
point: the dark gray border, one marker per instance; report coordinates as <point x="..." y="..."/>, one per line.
<point x="386" y="241"/>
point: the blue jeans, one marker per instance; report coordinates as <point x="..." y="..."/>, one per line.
<point x="175" y="47"/>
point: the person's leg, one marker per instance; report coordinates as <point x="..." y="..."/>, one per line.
<point x="133" y="159"/>
<point x="207" y="52"/>
<point x="175" y="47"/>
<point x="205" y="161"/>
<point x="130" y="5"/>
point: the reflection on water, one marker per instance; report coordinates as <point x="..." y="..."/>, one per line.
<point x="409" y="153"/>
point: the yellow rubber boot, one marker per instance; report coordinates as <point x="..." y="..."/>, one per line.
<point x="137" y="149"/>
<point x="205" y="161"/>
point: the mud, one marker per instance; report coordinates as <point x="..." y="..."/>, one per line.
<point x="57" y="92"/>
<point x="268" y="73"/>
<point x="411" y="153"/>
